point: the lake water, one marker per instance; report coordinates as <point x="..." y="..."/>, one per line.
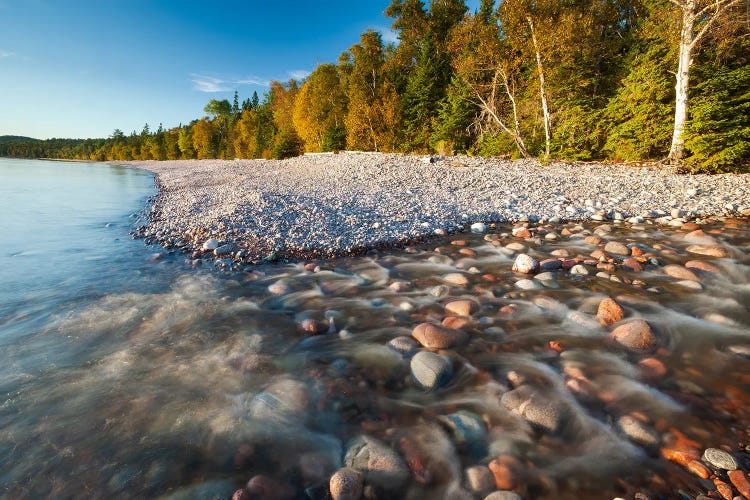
<point x="126" y="373"/>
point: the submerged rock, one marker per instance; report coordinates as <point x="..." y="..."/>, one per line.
<point x="379" y="464"/>
<point x="431" y="370"/>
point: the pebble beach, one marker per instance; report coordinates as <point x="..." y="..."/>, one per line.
<point x="412" y="327"/>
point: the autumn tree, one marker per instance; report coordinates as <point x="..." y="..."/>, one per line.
<point x="320" y="109"/>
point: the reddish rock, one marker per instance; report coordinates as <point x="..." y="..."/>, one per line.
<point x="632" y="264"/>
<point x="690" y="226"/>
<point x="680" y="272"/>
<point x="636" y="335"/>
<point x="652" y="368"/>
<point x="698" y="469"/>
<point x="459" y="243"/>
<point x="724" y="489"/>
<point x="599" y="255"/>
<point x="739" y="480"/>
<point x="521" y="232"/>
<point x="346" y="484"/>
<point x="708" y="250"/>
<point x="636" y="251"/>
<point x="569" y="264"/>
<point x="468" y="252"/>
<point x="456" y="322"/>
<point x="265" y="487"/>
<point x="592" y="240"/>
<point x="701" y="265"/>
<point x="437" y="337"/>
<point x="506" y="470"/>
<point x="461" y="307"/>
<point x="310" y="326"/>
<point x="609" y="312"/>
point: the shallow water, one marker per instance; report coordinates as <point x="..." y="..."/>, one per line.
<point x="128" y="376"/>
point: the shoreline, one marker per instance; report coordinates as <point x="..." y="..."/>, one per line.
<point x="327" y="206"/>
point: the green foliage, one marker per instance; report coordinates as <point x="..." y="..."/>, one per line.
<point x="334" y="138"/>
<point x="287" y="145"/>
<point x="718" y="134"/>
<point x="496" y="145"/>
<point x="456" y="115"/>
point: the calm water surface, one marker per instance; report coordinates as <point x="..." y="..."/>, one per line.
<point x="125" y="375"/>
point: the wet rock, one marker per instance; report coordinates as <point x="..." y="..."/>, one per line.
<point x="405" y="346"/>
<point x="609" y="312"/>
<point x="739" y="480"/>
<point x="616" y="248"/>
<point x="346" y="484"/>
<point x="525" y="264"/>
<point x="278" y="288"/>
<point x="579" y="270"/>
<point x="456" y="322"/>
<point x="652" y="368"/>
<point x="506" y="471"/>
<point x="457" y="279"/>
<point x="479" y="479"/>
<point x="266" y="488"/>
<point x="701" y="265"/>
<point x="438" y="337"/>
<point x="227" y="249"/>
<point x="719" y="459"/>
<point x="680" y="272"/>
<point x="528" y="285"/>
<point x="285" y="400"/>
<point x="478" y="227"/>
<point x="429" y="454"/>
<point x="698" y="469"/>
<point x="467" y="430"/>
<point x="708" y="250"/>
<point x="638" y="431"/>
<point x="536" y="408"/>
<point x="550" y="265"/>
<point x="593" y="240"/>
<point x="636" y="335"/>
<point x="521" y="232"/>
<point x="400" y="286"/>
<point x="461" y="307"/>
<point x="380" y="465"/>
<point x="311" y="326"/>
<point x="431" y="370"/>
<point x="210" y="244"/>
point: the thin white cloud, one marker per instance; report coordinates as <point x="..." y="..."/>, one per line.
<point x="203" y="83"/>
<point x="299" y="74"/>
<point x="252" y="80"/>
<point x="4" y="54"/>
<point x="389" y="36"/>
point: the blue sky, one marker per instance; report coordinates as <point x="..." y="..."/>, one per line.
<point x="81" y="68"/>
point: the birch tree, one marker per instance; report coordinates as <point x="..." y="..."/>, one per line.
<point x="698" y="16"/>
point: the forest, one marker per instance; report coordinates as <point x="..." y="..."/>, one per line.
<point x="616" y="80"/>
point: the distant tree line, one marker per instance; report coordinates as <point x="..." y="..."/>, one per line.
<point x="624" y="80"/>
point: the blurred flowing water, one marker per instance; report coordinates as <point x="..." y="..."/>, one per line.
<point x="129" y="376"/>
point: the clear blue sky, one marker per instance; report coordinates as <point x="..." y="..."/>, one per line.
<point x="81" y="68"/>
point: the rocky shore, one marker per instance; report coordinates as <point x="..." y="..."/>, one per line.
<point x="328" y="205"/>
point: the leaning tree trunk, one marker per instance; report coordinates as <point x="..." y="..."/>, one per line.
<point x="542" y="91"/>
<point x="682" y="83"/>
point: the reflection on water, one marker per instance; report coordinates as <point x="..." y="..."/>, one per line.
<point x="287" y="372"/>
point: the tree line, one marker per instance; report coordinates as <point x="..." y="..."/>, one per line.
<point x="623" y="80"/>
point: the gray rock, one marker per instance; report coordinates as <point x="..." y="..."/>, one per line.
<point x="503" y="495"/>
<point x="719" y="459"/>
<point x="542" y="410"/>
<point x="617" y="248"/>
<point x="579" y="270"/>
<point x="478" y="227"/>
<point x="466" y="429"/>
<point x="227" y="249"/>
<point x="211" y="244"/>
<point x="638" y="431"/>
<point x="431" y="370"/>
<point x="380" y="465"/>
<point x="346" y="484"/>
<point x="479" y="479"/>
<point x="405" y="346"/>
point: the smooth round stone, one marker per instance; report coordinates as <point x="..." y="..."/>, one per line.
<point x="534" y="407"/>
<point x="278" y="288"/>
<point x="550" y="265"/>
<point x="546" y="276"/>
<point x="439" y="291"/>
<point x="437" y="337"/>
<point x="479" y="479"/>
<point x="528" y="285"/>
<point x="525" y="264"/>
<point x="461" y="307"/>
<point x="399" y="286"/>
<point x="680" y="272"/>
<point x="579" y="270"/>
<point x="609" y="312"/>
<point x="346" y="484"/>
<point x="457" y="279"/>
<point x="516" y="246"/>
<point x="708" y="250"/>
<point x="635" y="335"/>
<point x="210" y="244"/>
<point x="431" y="370"/>
<point x="478" y="227"/>
<point x="702" y="265"/>
<point x="227" y="249"/>
<point x="380" y="465"/>
<point x="617" y="248"/>
<point x="719" y="459"/>
<point x="740" y="350"/>
<point x="693" y="285"/>
<point x="405" y="346"/>
<point x="466" y="428"/>
<point x="638" y="431"/>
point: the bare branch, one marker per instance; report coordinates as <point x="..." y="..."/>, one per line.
<point x="721" y="6"/>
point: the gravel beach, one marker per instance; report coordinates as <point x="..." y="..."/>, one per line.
<point x="327" y="205"/>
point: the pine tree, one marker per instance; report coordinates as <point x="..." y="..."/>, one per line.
<point x="456" y="114"/>
<point x="236" y="104"/>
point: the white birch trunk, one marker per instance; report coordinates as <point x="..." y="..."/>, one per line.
<point x="682" y="82"/>
<point x="542" y="92"/>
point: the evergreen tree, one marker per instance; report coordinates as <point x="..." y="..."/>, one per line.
<point x="236" y="104"/>
<point x="456" y="115"/>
